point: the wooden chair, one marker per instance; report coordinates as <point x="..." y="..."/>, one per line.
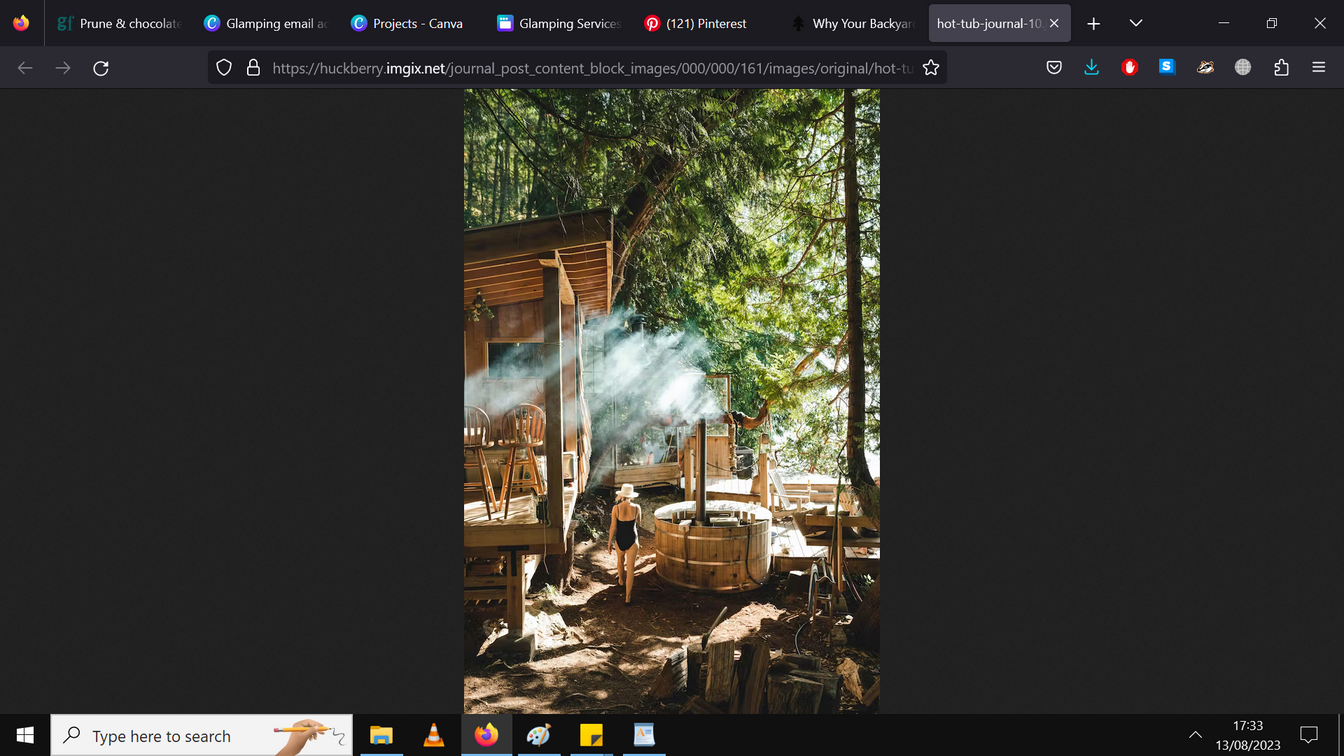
<point x="476" y="437"/>
<point x="523" y="427"/>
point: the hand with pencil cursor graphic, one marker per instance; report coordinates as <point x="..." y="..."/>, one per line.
<point x="303" y="731"/>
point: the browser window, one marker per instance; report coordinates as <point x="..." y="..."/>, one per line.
<point x="226" y="310"/>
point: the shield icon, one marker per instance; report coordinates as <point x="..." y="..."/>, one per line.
<point x="223" y="65"/>
<point x="1053" y="67"/>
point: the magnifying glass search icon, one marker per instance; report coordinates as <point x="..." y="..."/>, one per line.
<point x="73" y="732"/>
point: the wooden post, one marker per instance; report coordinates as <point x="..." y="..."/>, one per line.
<point x="514" y="593"/>
<point x="763" y="473"/>
<point x="686" y="469"/>
<point x="553" y="366"/>
<point x="719" y="677"/>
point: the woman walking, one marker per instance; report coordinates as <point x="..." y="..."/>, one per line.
<point x="624" y="516"/>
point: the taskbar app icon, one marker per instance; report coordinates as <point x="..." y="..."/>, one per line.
<point x="488" y="733"/>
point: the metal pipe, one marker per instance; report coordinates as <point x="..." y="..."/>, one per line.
<point x="701" y="473"/>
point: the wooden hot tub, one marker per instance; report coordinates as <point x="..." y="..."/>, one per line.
<point x="720" y="558"/>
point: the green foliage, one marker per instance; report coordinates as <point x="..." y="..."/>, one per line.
<point x="745" y="245"/>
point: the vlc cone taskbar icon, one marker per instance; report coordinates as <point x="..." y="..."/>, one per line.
<point x="433" y="741"/>
<point x="487" y="736"/>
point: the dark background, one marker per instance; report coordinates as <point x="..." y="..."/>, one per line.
<point x="1114" y="352"/>
<point x="226" y="389"/>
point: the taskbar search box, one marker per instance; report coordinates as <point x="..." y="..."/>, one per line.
<point x="195" y="734"/>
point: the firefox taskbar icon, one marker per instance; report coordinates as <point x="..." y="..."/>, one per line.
<point x="487" y="736"/>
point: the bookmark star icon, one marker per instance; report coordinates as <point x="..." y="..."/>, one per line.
<point x="930" y="68"/>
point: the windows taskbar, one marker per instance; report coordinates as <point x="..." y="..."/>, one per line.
<point x="598" y="732"/>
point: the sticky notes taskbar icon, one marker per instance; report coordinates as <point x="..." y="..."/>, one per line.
<point x="590" y="735"/>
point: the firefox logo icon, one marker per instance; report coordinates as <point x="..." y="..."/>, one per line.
<point x="487" y="736"/>
<point x="21" y="23"/>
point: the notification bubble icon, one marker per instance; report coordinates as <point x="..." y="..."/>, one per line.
<point x="652" y="23"/>
<point x="1308" y="733"/>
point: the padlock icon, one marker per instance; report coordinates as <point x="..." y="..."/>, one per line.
<point x="1281" y="68"/>
<point x="253" y="68"/>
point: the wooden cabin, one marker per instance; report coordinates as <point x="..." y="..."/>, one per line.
<point x="541" y="280"/>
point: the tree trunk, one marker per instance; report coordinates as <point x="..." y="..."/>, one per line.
<point x="868" y="619"/>
<point x="494" y="184"/>
<point x="859" y="477"/>
<point x="515" y="207"/>
<point x="504" y="182"/>
<point x="471" y="169"/>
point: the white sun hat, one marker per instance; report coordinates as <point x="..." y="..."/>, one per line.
<point x="628" y="491"/>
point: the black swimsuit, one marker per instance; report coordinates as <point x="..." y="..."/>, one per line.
<point x="625" y="534"/>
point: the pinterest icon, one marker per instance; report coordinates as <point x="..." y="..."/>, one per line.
<point x="652" y="23"/>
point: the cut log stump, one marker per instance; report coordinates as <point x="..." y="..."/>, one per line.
<point x="719" y="672"/>
<point x="695" y="679"/>
<point x="755" y="664"/>
<point x="788" y="694"/>
<point x="672" y="679"/>
<point x="830" y="688"/>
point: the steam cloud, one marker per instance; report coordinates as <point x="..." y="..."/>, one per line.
<point x="653" y="375"/>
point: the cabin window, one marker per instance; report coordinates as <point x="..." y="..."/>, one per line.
<point x="514" y="360"/>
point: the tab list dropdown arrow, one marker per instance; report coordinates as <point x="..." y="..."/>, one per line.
<point x="1136" y="23"/>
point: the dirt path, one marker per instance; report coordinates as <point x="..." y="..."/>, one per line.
<point x="614" y="651"/>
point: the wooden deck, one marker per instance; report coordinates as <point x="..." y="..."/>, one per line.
<point x="792" y="550"/>
<point x="520" y="529"/>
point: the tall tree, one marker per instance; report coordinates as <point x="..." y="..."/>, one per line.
<point x="859" y="476"/>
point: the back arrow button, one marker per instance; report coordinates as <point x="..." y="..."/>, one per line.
<point x="23" y="69"/>
<point x="65" y="68"/>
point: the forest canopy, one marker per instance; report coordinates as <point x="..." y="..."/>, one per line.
<point x="732" y="225"/>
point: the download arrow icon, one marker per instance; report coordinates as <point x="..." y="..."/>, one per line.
<point x="1091" y="69"/>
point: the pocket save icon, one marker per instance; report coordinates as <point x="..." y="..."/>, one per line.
<point x="1053" y="67"/>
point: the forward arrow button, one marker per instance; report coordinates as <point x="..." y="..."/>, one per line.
<point x="65" y="68"/>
